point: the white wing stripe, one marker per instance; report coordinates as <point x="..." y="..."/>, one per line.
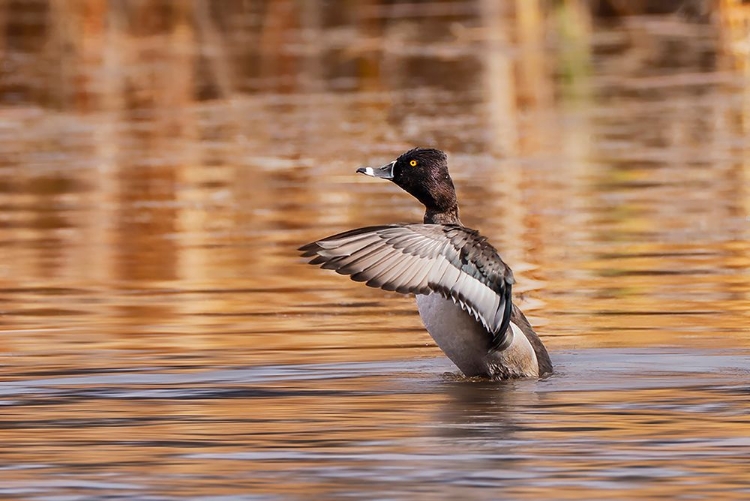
<point x="364" y="261"/>
<point x="394" y="271"/>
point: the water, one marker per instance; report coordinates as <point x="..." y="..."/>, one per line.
<point x="633" y="423"/>
<point x="161" y="339"/>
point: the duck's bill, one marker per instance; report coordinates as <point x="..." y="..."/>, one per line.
<point x="384" y="172"/>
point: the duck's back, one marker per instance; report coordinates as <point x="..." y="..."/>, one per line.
<point x="518" y="318"/>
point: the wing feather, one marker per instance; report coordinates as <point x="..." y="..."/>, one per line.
<point x="392" y="280"/>
<point x="451" y="260"/>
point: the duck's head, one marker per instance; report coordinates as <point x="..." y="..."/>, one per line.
<point x="422" y="172"/>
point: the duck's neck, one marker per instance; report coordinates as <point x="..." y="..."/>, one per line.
<point x="450" y="216"/>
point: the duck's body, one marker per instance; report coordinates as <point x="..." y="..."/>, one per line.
<point x="464" y="341"/>
<point x="462" y="285"/>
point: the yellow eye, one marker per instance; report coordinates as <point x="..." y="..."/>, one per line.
<point x="413" y="163"/>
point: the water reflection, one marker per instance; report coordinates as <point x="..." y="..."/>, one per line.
<point x="160" y="162"/>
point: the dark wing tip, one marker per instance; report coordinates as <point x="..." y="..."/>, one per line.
<point x="501" y="337"/>
<point x="310" y="249"/>
<point x="316" y="259"/>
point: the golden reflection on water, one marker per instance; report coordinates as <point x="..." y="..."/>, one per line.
<point x="160" y="163"/>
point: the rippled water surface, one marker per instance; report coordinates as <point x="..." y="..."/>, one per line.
<point x="161" y="339"/>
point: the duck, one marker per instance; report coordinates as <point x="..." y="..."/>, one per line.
<point x="462" y="286"/>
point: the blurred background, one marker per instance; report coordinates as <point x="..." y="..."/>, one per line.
<point x="160" y="162"/>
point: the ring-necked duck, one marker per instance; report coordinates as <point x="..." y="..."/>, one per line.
<point x="463" y="287"/>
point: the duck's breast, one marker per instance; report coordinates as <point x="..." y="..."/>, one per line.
<point x="467" y="343"/>
<point x="464" y="340"/>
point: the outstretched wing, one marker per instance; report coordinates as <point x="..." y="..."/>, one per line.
<point x="451" y="260"/>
